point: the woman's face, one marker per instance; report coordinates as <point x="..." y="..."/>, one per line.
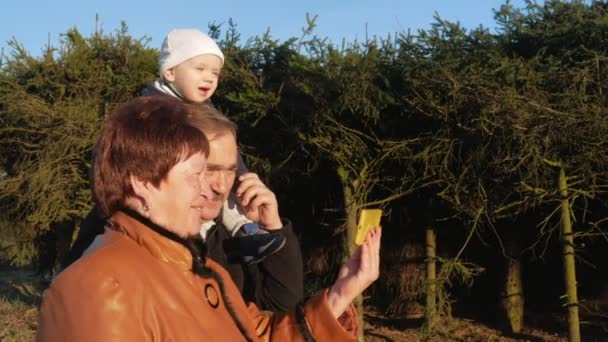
<point x="178" y="201"/>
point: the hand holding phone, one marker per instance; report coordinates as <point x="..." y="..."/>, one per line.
<point x="368" y="219"/>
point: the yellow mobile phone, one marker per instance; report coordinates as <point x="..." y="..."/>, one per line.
<point x="368" y="219"/>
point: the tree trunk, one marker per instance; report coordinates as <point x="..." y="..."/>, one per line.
<point x="574" y="334"/>
<point x="513" y="300"/>
<point x="350" y="210"/>
<point x="431" y="279"/>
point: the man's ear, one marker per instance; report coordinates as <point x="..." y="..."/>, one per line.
<point x="169" y="75"/>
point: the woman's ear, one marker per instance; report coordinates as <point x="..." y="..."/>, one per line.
<point x="140" y="202"/>
<point x="140" y="187"/>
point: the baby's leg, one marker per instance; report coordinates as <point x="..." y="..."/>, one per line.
<point x="233" y="216"/>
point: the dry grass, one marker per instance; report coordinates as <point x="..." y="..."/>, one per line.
<point x="20" y="294"/>
<point x="17" y="320"/>
<point x="380" y="327"/>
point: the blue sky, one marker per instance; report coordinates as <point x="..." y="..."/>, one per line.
<point x="33" y="22"/>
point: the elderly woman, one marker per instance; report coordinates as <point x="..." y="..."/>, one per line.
<point x="147" y="278"/>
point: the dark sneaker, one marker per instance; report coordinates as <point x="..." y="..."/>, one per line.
<point x="251" y="229"/>
<point x="253" y="245"/>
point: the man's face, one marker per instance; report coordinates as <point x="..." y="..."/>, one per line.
<point x="221" y="172"/>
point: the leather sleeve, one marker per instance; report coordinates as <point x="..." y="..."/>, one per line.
<point x="310" y="321"/>
<point x="280" y="277"/>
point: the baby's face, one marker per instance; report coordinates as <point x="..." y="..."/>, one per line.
<point x="196" y="78"/>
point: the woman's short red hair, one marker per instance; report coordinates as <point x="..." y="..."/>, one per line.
<point x="143" y="138"/>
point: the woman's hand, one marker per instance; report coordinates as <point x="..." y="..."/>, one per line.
<point x="362" y="269"/>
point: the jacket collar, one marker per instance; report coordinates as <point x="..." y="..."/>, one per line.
<point x="140" y="230"/>
<point x="161" y="86"/>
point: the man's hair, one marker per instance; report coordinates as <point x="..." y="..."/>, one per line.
<point x="143" y="138"/>
<point x="211" y="121"/>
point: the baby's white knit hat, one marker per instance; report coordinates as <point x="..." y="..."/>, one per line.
<point x="183" y="44"/>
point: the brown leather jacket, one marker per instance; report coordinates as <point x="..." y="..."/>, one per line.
<point x="136" y="285"/>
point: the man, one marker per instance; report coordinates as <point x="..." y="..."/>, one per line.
<point x="276" y="282"/>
